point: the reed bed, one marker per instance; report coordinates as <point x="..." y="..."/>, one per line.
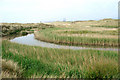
<point x="61" y="63"/>
<point x="78" y="37"/>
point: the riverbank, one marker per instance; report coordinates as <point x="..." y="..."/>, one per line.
<point x="30" y="40"/>
<point x="18" y="29"/>
<point x="52" y="63"/>
<point x="73" y="37"/>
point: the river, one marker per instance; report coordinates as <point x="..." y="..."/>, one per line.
<point x="30" y="40"/>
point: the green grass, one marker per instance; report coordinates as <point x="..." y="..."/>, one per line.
<point x="48" y="62"/>
<point x="90" y="32"/>
<point x="51" y="35"/>
<point x="105" y="26"/>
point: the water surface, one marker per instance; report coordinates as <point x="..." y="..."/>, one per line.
<point x="30" y="40"/>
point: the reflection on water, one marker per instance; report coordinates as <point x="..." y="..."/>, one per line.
<point x="30" y="40"/>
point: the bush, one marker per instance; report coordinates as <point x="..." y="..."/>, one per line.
<point x="24" y="33"/>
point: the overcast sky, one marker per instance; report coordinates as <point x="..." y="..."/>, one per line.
<point x="56" y="10"/>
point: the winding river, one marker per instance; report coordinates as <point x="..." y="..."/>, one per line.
<point x="30" y="40"/>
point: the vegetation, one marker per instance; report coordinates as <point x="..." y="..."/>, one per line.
<point x="107" y="26"/>
<point x="15" y="28"/>
<point x="72" y="36"/>
<point x="56" y="63"/>
<point x="36" y="62"/>
<point x="10" y="69"/>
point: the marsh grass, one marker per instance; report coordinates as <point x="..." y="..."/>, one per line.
<point x="10" y="69"/>
<point x="108" y="26"/>
<point x="55" y="63"/>
<point x="50" y="35"/>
